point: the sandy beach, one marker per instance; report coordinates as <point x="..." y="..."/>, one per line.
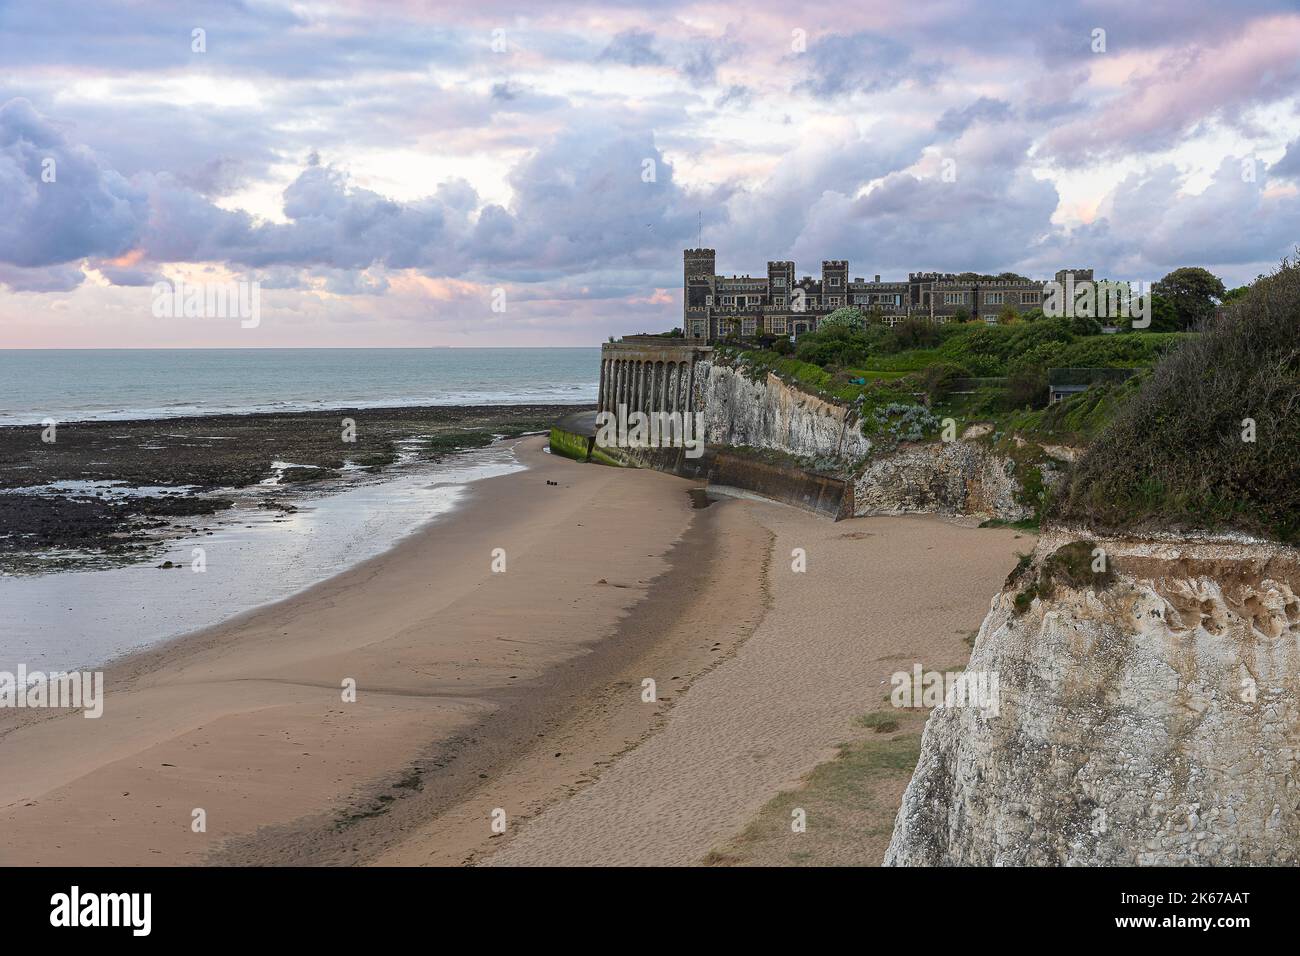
<point x="520" y="692"/>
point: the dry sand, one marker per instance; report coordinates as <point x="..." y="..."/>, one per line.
<point x="877" y="595"/>
<point x="519" y="691"/>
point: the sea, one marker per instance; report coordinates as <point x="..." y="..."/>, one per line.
<point x="96" y="384"/>
<point x="80" y="619"/>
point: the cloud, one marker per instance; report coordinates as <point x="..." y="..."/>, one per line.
<point x="1288" y="167"/>
<point x="444" y="165"/>
<point x="735" y="95"/>
<point x="633" y="48"/>
<point x="841" y="64"/>
<point x="983" y="110"/>
<point x="57" y="202"/>
<point x="1152" y="223"/>
<point x="63" y="278"/>
<point x="1162" y="102"/>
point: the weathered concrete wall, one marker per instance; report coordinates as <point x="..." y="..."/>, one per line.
<point x="827" y="496"/>
<point x="821" y="494"/>
<point x="1154" y="721"/>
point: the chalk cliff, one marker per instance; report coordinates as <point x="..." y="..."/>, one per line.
<point x="768" y="413"/>
<point x="1149" y="714"/>
<point x="961" y="477"/>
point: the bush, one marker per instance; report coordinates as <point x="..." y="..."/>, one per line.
<point x="1175" y="455"/>
<point x="937" y="380"/>
<point x="912" y="334"/>
<point x="849" y="316"/>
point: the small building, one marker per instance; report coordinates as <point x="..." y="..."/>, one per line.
<point x="1064" y="382"/>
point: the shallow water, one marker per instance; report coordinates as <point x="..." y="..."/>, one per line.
<point x="81" y="619"/>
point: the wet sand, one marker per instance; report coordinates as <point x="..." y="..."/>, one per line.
<point x="518" y="692"/>
<point x="246" y="721"/>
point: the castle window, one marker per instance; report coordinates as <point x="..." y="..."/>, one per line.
<point x="779" y="301"/>
<point x="954" y="298"/>
<point x="834" y="281"/>
<point x="776" y="325"/>
<point x="748" y="327"/>
<point x="1029" y="298"/>
<point x="993" y="298"/>
<point x="778" y="281"/>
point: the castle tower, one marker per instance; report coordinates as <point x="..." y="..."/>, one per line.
<point x="699" y="267"/>
<point x="835" y="283"/>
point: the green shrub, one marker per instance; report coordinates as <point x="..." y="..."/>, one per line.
<point x="1177" y="454"/>
<point x="937" y="380"/>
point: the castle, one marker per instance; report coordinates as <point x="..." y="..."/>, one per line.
<point x="724" y="307"/>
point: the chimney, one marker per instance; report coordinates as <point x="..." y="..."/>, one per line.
<point x="877" y="276"/>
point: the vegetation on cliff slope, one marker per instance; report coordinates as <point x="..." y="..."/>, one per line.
<point x="1211" y="440"/>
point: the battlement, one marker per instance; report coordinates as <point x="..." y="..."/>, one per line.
<point x="781" y="304"/>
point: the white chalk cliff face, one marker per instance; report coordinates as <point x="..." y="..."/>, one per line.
<point x="958" y="478"/>
<point x="1153" y="720"/>
<point x="772" y="414"/>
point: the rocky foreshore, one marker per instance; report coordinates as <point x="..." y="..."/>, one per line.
<point x="106" y="491"/>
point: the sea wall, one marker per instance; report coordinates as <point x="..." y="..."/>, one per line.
<point x="851" y="474"/>
<point x="1148" y="715"/>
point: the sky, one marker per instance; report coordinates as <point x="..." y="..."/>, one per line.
<point x="528" y="173"/>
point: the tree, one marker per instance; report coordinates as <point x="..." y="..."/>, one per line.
<point x="848" y="315"/>
<point x="1008" y="315"/>
<point x="1164" y="318"/>
<point x="1193" y="292"/>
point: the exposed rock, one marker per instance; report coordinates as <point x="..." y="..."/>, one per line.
<point x="959" y="478"/>
<point x="1152" y="720"/>
<point x="771" y="414"/>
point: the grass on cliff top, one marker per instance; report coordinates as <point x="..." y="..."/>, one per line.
<point x="1211" y="440"/>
